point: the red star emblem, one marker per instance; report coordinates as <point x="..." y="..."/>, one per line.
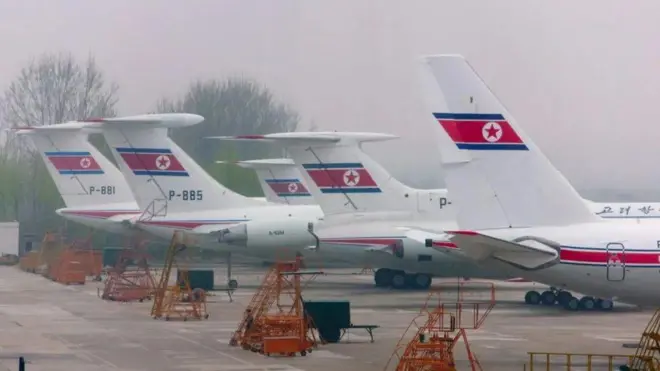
<point x="163" y="162"/>
<point x="351" y="177"/>
<point x="492" y="131"/>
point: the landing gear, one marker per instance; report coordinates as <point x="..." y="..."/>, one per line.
<point x="231" y="283"/>
<point x="567" y="300"/>
<point x="383" y="277"/>
<point x="532" y="297"/>
<point x="401" y="280"/>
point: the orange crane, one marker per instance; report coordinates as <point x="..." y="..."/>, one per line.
<point x="440" y="325"/>
<point x="271" y="324"/>
<point x="178" y="300"/>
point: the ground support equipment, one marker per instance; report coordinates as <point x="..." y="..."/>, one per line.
<point x="442" y="322"/>
<point x="127" y="284"/>
<point x="275" y="322"/>
<point x="179" y="300"/>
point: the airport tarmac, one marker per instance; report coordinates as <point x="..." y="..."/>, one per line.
<point x="59" y="327"/>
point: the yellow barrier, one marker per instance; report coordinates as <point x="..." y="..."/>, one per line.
<point x="578" y="360"/>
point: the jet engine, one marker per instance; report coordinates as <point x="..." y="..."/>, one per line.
<point x="264" y="234"/>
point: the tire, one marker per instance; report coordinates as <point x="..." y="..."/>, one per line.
<point x="399" y="280"/>
<point x="573" y="304"/>
<point x="383" y="277"/>
<point x="588" y="303"/>
<point x="232" y="284"/>
<point x="423" y="281"/>
<point x="563" y="297"/>
<point x="532" y="298"/>
<point x="548" y="298"/>
<point x="606" y="305"/>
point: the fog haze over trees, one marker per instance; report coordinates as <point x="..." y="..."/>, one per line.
<point x="56" y="87"/>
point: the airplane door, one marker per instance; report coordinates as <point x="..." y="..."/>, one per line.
<point x="616" y="261"/>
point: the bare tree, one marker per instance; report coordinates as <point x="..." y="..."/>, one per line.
<point x="55" y="88"/>
<point x="50" y="89"/>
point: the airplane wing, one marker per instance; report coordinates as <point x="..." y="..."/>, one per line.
<point x="528" y="253"/>
<point x="437" y="240"/>
<point x="391" y="246"/>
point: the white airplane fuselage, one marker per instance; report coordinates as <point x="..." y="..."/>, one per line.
<point x="271" y="229"/>
<point x="617" y="259"/>
<point x="360" y="241"/>
<point x="113" y="218"/>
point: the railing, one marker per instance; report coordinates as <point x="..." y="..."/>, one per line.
<point x="581" y="361"/>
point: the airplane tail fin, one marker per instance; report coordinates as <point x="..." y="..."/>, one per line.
<point x="280" y="180"/>
<point x="496" y="175"/>
<point x="163" y="177"/>
<point x="82" y="175"/>
<point x="341" y="177"/>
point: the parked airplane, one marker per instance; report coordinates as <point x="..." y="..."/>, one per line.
<point x="279" y="180"/>
<point x="177" y="194"/>
<point x="364" y="206"/>
<point x="259" y="228"/>
<point x="517" y="213"/>
<point x="93" y="190"/>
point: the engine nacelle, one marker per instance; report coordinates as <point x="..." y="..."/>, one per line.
<point x="282" y="233"/>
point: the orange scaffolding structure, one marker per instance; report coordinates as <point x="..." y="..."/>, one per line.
<point x="124" y="283"/>
<point x="70" y="263"/>
<point x="430" y="340"/>
<point x="274" y="321"/>
<point x="179" y="300"/>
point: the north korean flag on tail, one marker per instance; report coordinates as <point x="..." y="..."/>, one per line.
<point x="342" y="178"/>
<point x="288" y="187"/>
<point x="152" y="161"/>
<point x="478" y="131"/>
<point x="74" y="163"/>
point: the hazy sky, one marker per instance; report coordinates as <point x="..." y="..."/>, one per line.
<point x="581" y="77"/>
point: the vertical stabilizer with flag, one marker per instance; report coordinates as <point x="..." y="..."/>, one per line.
<point x="497" y="176"/>
<point x="280" y="180"/>
<point x="342" y="178"/>
<point x="165" y="179"/>
<point x="83" y="176"/>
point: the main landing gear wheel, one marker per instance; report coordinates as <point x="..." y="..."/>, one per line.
<point x="572" y="304"/>
<point x="383" y="277"/>
<point x="422" y="281"/>
<point x="587" y="303"/>
<point x="532" y="297"/>
<point x="548" y="298"/>
<point x="563" y="297"/>
<point x="604" y="304"/>
<point x="232" y="284"/>
<point x="399" y="280"/>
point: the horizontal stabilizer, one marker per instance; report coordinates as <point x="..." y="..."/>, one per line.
<point x="164" y="120"/>
<point x="64" y="127"/>
<point x="307" y="138"/>
<point x="267" y="163"/>
<point x="528" y="253"/>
